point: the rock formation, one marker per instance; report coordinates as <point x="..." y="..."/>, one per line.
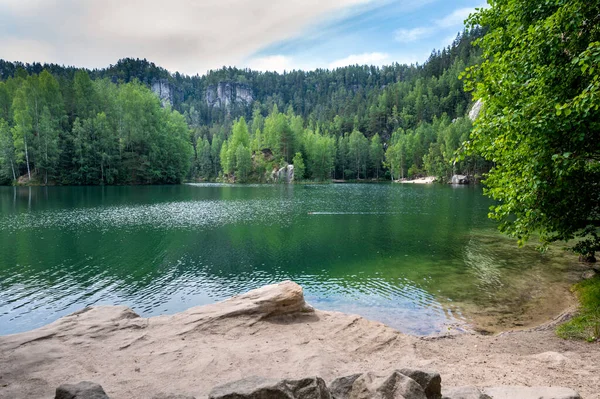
<point x="283" y="175"/>
<point x="226" y="94"/>
<point x="82" y="390"/>
<point x="476" y="110"/>
<point x="396" y="385"/>
<point x="286" y="174"/>
<point x="163" y="90"/>
<point x="372" y="385"/>
<point x="459" y="179"/>
<point x="261" y="388"/>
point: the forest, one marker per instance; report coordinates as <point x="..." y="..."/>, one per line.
<point x="70" y="126"/>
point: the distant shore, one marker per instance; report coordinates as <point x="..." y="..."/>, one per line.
<point x="422" y="180"/>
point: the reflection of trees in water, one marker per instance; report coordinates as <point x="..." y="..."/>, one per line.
<point x="389" y="252"/>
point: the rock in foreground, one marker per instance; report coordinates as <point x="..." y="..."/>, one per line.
<point x="464" y="393"/>
<point x="262" y="388"/>
<point x="83" y="390"/>
<point x="531" y="393"/>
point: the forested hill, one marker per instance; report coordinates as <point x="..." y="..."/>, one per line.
<point x="96" y="127"/>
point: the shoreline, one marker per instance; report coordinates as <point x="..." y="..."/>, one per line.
<point x="271" y="332"/>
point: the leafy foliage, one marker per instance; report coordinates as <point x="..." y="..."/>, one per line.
<point x="539" y="82"/>
<point x="102" y="134"/>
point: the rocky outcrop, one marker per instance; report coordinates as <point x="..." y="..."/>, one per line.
<point x="430" y="381"/>
<point x="82" y="390"/>
<point x="371" y="385"/>
<point x="460" y="179"/>
<point x="283" y="175"/>
<point x="262" y="388"/>
<point x="162" y="88"/>
<point x="397" y="385"/>
<point x="476" y="110"/>
<point x="226" y="94"/>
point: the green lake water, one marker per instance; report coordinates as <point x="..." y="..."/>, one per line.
<point x="418" y="258"/>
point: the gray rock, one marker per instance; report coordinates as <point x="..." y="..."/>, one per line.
<point x="370" y="385"/>
<point x="167" y="396"/>
<point x="459" y="179"/>
<point x="464" y="393"/>
<point x="83" y="390"/>
<point x="430" y="381"/>
<point x="226" y="94"/>
<point x="342" y="387"/>
<point x="264" y="388"/>
<point x="589" y="274"/>
<point x="508" y="392"/>
<point x="286" y="174"/>
<point x="476" y="110"/>
<point x="163" y="90"/>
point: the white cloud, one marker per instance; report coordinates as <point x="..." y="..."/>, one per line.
<point x="453" y="20"/>
<point x="456" y="18"/>
<point x="361" y="59"/>
<point x="281" y="63"/>
<point x="272" y="63"/>
<point x="412" y="35"/>
<point x="185" y="35"/>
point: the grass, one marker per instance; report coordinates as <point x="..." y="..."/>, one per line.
<point x="586" y="324"/>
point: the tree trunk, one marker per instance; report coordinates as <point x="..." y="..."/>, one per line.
<point x="27" y="157"/>
<point x="12" y="166"/>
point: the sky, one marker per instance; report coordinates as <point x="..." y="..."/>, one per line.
<point x="194" y="36"/>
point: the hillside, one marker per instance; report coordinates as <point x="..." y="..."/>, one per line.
<point x="341" y="122"/>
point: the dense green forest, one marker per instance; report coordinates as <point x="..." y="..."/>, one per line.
<point x="64" y="125"/>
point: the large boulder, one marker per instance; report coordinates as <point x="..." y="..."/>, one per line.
<point x="508" y="392"/>
<point x="371" y="385"/>
<point x="286" y="174"/>
<point x="263" y="388"/>
<point x="281" y="299"/>
<point x="82" y="390"/>
<point x="342" y="387"/>
<point x="430" y="381"/>
<point x="464" y="393"/>
<point x="459" y="179"/>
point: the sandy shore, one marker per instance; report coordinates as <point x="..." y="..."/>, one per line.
<point x="270" y="332"/>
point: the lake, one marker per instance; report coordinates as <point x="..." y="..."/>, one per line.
<point x="419" y="258"/>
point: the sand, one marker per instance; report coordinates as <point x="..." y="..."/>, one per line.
<point x="271" y="332"/>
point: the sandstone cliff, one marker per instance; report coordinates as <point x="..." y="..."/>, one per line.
<point x="226" y="94"/>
